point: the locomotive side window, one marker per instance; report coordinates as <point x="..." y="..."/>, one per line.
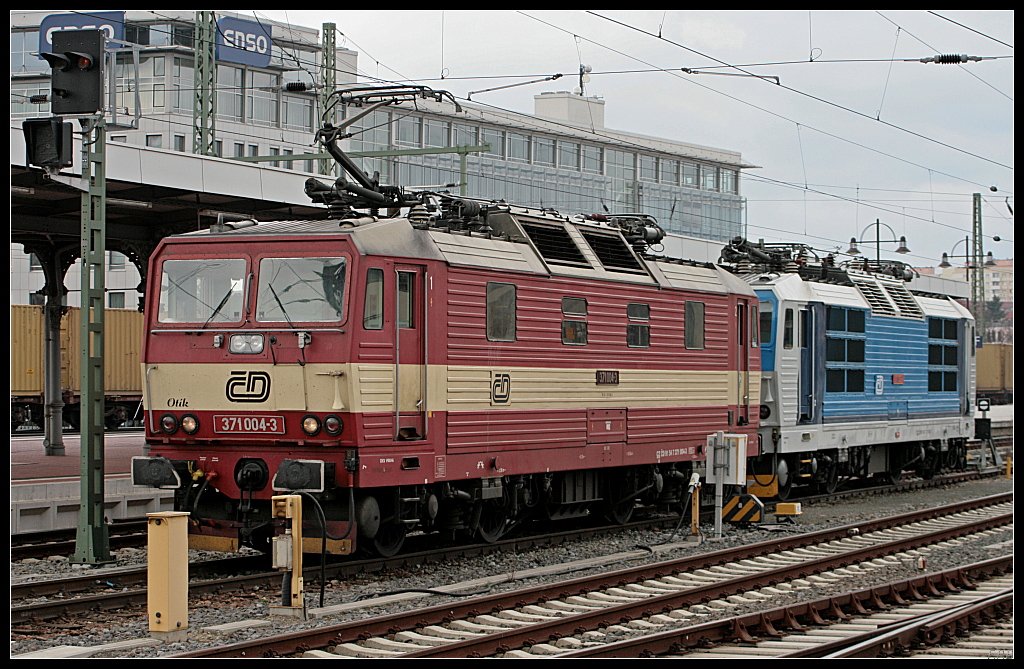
<point x="406" y="288"/>
<point x="638" y="335"/>
<point x="574" y="306"/>
<point x="204" y="291"/>
<point x="300" y="290"/>
<point x="845" y="350"/>
<point x="694" y="325"/>
<point x="501" y="312"/>
<point x="373" y="304"/>
<point x="574" y="331"/>
<point x="943" y="355"/>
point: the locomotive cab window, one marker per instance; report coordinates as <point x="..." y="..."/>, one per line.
<point x="765" y="309"/>
<point x="787" y="331"/>
<point x="300" y="290"/>
<point x="206" y="290"/>
<point x="373" y="302"/>
<point x="406" y="296"/>
<point x="501" y="312"/>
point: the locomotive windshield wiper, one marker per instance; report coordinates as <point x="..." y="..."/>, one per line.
<point x="280" y="305"/>
<point x="302" y="335"/>
<point x="223" y="301"/>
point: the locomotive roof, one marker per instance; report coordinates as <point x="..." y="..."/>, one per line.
<point x="513" y="249"/>
<point x="881" y="295"/>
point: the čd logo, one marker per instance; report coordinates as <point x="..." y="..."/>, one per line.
<point x="248" y="386"/>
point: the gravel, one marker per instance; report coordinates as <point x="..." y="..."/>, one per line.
<point x="210" y="610"/>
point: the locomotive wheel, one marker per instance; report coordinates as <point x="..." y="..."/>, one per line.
<point x="389" y="539"/>
<point x="491" y="525"/>
<point x="830" y="481"/>
<point x="785" y="490"/>
<point x="894" y="475"/>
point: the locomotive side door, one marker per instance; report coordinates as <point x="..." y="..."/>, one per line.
<point x="742" y="364"/>
<point x="410" y="322"/>
<point x="807" y="399"/>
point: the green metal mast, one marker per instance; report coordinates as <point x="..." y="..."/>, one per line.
<point x="328" y="80"/>
<point x="204" y="111"/>
<point x="92" y="544"/>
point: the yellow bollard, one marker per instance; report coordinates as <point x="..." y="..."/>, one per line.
<point x="167" y="574"/>
<point x="287" y="555"/>
<point x="1009" y="466"/>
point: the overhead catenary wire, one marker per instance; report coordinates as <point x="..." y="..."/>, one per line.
<point x="809" y="95"/>
<point x="647" y="149"/>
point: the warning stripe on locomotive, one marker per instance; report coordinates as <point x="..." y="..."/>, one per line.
<point x="743" y="509"/>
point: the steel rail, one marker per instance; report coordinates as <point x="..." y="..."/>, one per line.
<point x="347" y="632"/>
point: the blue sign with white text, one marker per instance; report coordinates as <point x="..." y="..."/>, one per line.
<point x="111" y="23"/>
<point x="243" y="42"/>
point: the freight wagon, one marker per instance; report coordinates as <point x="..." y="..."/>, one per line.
<point x="122" y="377"/>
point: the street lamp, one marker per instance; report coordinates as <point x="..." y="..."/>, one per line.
<point x="902" y="241"/>
<point x="973" y="262"/>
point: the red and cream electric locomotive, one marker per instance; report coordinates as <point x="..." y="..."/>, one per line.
<point x="465" y="367"/>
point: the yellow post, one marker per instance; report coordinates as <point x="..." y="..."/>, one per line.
<point x="167" y="574"/>
<point x="287" y="555"/>
<point x="1009" y="466"/>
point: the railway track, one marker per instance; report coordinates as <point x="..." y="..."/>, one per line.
<point x="959" y="612"/>
<point x="131" y="533"/>
<point x="647" y="596"/>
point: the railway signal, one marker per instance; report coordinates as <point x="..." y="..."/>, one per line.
<point x="76" y="83"/>
<point x="48" y="142"/>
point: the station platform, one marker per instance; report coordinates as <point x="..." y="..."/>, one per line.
<point x="46" y="489"/>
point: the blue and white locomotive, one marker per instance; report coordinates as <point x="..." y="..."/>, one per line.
<point x="860" y="375"/>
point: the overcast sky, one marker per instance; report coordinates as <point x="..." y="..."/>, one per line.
<point x="838" y="145"/>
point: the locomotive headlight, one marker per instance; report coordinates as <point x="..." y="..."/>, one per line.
<point x="333" y="425"/>
<point x="246" y="343"/>
<point x="169" y="424"/>
<point x="310" y="425"/>
<point x="189" y="423"/>
<point x="765" y="411"/>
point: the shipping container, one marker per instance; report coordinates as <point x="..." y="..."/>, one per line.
<point x="121" y="370"/>
<point x="995" y="373"/>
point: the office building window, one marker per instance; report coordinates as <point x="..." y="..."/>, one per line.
<point x="495" y="139"/>
<point x="115" y="300"/>
<point x="410" y="130"/>
<point x="691" y="175"/>
<point x="710" y="178"/>
<point x="569" y="155"/>
<point x="435" y="132"/>
<point x="154" y="141"/>
<point x="179" y="142"/>
<point x="543" y="151"/>
<point x="593" y="159"/>
<point x="261" y="97"/>
<point x="230" y="93"/>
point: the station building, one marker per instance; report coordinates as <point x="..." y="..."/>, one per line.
<point x="562" y="156"/>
